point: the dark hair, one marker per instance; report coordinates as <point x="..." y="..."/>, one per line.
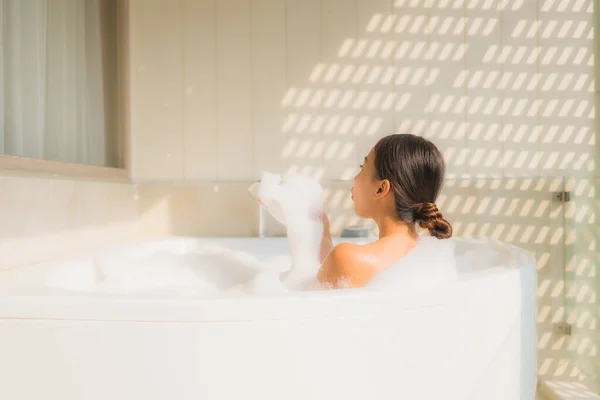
<point x="415" y="169"/>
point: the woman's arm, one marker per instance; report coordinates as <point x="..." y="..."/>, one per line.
<point x="326" y="241"/>
<point x="332" y="271"/>
<point x="346" y="266"/>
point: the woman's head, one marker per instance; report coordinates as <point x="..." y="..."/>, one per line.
<point x="404" y="173"/>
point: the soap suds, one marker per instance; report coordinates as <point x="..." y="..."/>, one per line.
<point x="209" y="268"/>
<point x="294" y="202"/>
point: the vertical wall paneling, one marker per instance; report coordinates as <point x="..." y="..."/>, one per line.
<point x="520" y="86"/>
<point x="200" y="135"/>
<point x="268" y="85"/>
<point x="484" y="97"/>
<point x="156" y="100"/>
<point x="226" y="89"/>
<point x="339" y="22"/>
<point x="412" y="72"/>
<point x="447" y="81"/>
<point x="373" y="55"/>
<point x="304" y="98"/>
<point x="566" y="69"/>
<point x="234" y="90"/>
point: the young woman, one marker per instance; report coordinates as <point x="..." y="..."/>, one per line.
<point x="397" y="187"/>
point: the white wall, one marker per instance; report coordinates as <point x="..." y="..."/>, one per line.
<point x="224" y="89"/>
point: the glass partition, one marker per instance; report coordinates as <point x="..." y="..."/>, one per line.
<point x="581" y="278"/>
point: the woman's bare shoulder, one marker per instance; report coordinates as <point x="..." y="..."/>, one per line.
<point x="349" y="263"/>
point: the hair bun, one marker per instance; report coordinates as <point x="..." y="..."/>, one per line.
<point x="429" y="217"/>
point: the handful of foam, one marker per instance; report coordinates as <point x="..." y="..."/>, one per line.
<point x="295" y="202"/>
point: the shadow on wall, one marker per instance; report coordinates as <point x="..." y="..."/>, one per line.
<point x="504" y="88"/>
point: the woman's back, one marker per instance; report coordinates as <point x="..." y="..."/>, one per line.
<point x="429" y="264"/>
<point x="354" y="265"/>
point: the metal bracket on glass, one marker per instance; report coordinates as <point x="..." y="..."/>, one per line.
<point x="562" y="328"/>
<point x="562" y="197"/>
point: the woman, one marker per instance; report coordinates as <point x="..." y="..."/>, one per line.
<point x="397" y="187"/>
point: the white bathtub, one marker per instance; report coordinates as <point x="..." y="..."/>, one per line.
<point x="471" y="341"/>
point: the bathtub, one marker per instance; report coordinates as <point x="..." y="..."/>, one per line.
<point x="474" y="340"/>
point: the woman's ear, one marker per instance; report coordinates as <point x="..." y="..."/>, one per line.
<point x="383" y="189"/>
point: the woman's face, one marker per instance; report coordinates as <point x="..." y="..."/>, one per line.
<point x="365" y="189"/>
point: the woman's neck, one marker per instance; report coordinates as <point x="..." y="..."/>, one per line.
<point x="390" y="226"/>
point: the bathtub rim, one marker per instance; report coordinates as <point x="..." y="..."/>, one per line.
<point x="345" y="303"/>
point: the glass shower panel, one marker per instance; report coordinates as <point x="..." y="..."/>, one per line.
<point x="581" y="277"/>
